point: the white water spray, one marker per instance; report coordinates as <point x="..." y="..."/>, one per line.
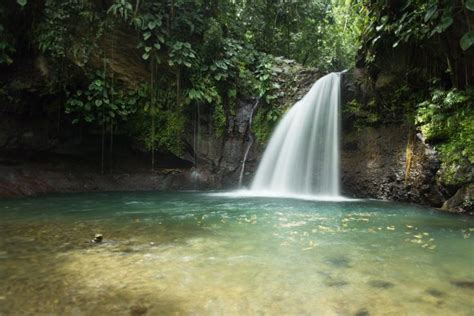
<point x="302" y="156"/>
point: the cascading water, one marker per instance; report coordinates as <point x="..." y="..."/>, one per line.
<point x="302" y="157"/>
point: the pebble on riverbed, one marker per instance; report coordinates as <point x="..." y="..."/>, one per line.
<point x="97" y="239"/>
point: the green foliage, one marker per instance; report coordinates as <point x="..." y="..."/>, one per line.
<point x="265" y="86"/>
<point x="70" y="28"/>
<point x="447" y="120"/>
<point x="329" y="40"/>
<point x="417" y="20"/>
<point x="100" y="103"/>
<point x="6" y="48"/>
<point x="203" y="91"/>
<point x="206" y="54"/>
<point x="181" y="54"/>
<point x="122" y="9"/>
<point x="6" y="41"/>
<point x="362" y="115"/>
<point x="168" y="135"/>
<point x="469" y="4"/>
<point x="441" y="30"/>
<point x="467" y="40"/>
<point x="170" y="132"/>
<point x="323" y="34"/>
<point x="393" y="107"/>
<point x="219" y="120"/>
<point x="264" y="122"/>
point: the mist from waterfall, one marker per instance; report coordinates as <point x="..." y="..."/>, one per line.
<point x="302" y="157"/>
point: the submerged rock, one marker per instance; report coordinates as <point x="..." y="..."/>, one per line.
<point x="336" y="283"/>
<point x="464" y="284"/>
<point x="435" y="292"/>
<point x="381" y="284"/>
<point x="338" y="262"/>
<point x="97" y="239"/>
<point x="362" y="312"/>
<point x="462" y="201"/>
<point x="138" y="310"/>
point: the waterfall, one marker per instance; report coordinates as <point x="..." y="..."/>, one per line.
<point x="302" y="156"/>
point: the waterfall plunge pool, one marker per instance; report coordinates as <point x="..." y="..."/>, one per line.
<point x="198" y="253"/>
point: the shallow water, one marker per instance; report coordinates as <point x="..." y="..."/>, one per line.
<point x="196" y="253"/>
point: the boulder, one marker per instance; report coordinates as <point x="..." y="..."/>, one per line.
<point x="462" y="201"/>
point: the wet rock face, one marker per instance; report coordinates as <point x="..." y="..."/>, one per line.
<point x="389" y="163"/>
<point x="223" y="155"/>
<point x="219" y="157"/>
<point x="24" y="133"/>
<point x="97" y="238"/>
<point x="461" y="202"/>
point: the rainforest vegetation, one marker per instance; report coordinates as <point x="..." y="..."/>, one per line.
<point x="141" y="68"/>
<point x="139" y="174"/>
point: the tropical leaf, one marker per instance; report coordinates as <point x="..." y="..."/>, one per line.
<point x="467" y="40"/>
<point x="431" y="11"/>
<point x="470" y="4"/>
<point x="446" y="22"/>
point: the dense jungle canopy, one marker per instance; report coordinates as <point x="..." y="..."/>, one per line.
<point x="141" y="67"/>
